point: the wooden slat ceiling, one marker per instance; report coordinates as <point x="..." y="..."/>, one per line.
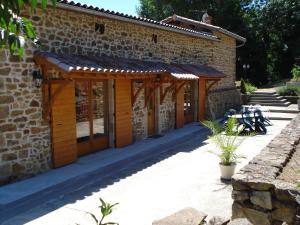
<point x="105" y="64"/>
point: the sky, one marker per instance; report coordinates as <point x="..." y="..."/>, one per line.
<point x="123" y="6"/>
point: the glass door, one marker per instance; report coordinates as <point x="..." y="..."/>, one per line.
<point x="91" y="116"/>
<point x="189" y="102"/>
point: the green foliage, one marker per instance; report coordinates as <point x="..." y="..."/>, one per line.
<point x="296" y="73"/>
<point x="105" y="210"/>
<point x="243" y="87"/>
<point x="227" y="141"/>
<point x="15" y="30"/>
<point x="289" y="91"/>
<point x="247" y="87"/>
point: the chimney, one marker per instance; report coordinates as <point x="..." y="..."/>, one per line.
<point x="206" y="18"/>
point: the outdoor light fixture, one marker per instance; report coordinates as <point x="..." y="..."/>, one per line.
<point x="37" y="77"/>
<point x="246" y="66"/>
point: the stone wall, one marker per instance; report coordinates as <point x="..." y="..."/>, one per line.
<point x="167" y="113"/>
<point x="25" y="138"/>
<point x="259" y="191"/>
<point x="139" y="115"/>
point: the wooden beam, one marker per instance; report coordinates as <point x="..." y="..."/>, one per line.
<point x="163" y="94"/>
<point x="201" y="97"/>
<point x="135" y="95"/>
<point x="211" y="85"/>
<point x="179" y="87"/>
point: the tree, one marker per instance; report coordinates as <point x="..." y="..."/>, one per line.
<point x="16" y="30"/>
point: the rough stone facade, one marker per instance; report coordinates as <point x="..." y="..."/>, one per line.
<point x="139" y="115"/>
<point x="167" y="113"/>
<point x="260" y="193"/>
<point x="25" y="147"/>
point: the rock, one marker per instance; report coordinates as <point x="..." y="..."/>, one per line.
<point x="5" y="71"/>
<point x="257" y="217"/>
<point x="6" y="99"/>
<point x="284" y="212"/>
<point x="9" y="156"/>
<point x="4" y="110"/>
<point x="240" y="222"/>
<point x="8" y="127"/>
<point x="262" y="199"/>
<point x="187" y="216"/>
<point x="217" y="220"/>
<point x="34" y="103"/>
<point x="240" y="195"/>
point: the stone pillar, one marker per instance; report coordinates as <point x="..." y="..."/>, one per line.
<point x="111" y="114"/>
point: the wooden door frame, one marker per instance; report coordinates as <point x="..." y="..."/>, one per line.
<point x="90" y="111"/>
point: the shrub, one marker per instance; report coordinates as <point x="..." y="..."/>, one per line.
<point x="243" y="86"/>
<point x="247" y="87"/>
<point x="296" y="73"/>
<point x="289" y="91"/>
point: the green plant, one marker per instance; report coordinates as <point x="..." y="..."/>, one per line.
<point x="105" y="210"/>
<point x="289" y="91"/>
<point x="227" y="141"/>
<point x="296" y="73"/>
<point x="247" y="87"/>
<point x="15" y="29"/>
<point x="243" y="86"/>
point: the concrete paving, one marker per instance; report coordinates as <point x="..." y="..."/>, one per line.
<point x="183" y="174"/>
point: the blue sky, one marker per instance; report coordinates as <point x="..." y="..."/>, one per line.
<point x="124" y="6"/>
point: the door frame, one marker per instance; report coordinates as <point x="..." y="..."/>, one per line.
<point x="102" y="142"/>
<point x="151" y="98"/>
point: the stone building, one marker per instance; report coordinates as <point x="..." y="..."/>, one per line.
<point x="107" y="80"/>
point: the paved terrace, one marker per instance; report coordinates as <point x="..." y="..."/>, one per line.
<point x="150" y="180"/>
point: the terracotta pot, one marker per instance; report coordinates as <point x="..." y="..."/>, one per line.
<point x="227" y="171"/>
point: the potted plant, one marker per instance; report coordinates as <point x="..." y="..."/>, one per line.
<point x="227" y="143"/>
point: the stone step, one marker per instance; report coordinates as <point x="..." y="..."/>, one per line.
<point x="266" y="97"/>
<point x="264" y="93"/>
<point x="284" y="104"/>
<point x="281" y="116"/>
<point x="283" y="110"/>
<point x="269" y="100"/>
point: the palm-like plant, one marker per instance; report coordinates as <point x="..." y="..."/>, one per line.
<point x="227" y="141"/>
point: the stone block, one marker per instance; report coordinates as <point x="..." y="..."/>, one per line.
<point x="257" y="217"/>
<point x="237" y="210"/>
<point x="217" y="220"/>
<point x="262" y="199"/>
<point x="284" y="211"/>
<point x="240" y="195"/>
<point x="5" y="99"/>
<point x="187" y="216"/>
<point x="5" y="170"/>
<point x="8" y="127"/>
<point x="9" y="156"/>
<point x="34" y="103"/>
<point x="240" y="222"/>
<point x="17" y="168"/>
<point x="4" y="112"/>
<point x="5" y="71"/>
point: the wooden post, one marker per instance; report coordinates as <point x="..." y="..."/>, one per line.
<point x="201" y="97"/>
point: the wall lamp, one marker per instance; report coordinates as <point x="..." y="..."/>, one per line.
<point x="37" y="77"/>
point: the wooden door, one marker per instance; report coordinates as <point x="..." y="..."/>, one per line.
<point x="179" y="107"/>
<point x="189" y="102"/>
<point x="63" y="123"/>
<point x="123" y="112"/>
<point x="150" y="95"/>
<point x="91" y="116"/>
